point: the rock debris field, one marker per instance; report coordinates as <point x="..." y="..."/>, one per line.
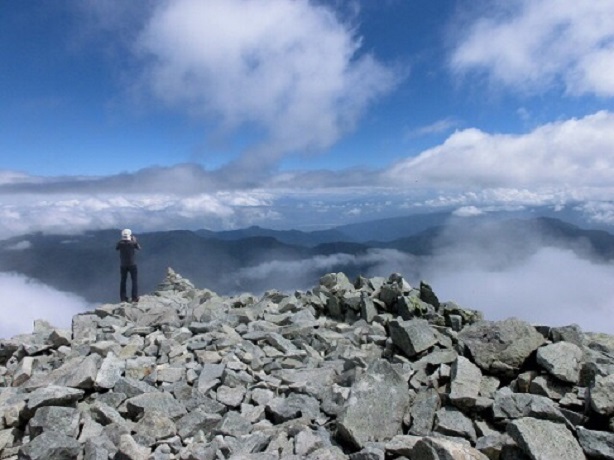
<point x="365" y="370"/>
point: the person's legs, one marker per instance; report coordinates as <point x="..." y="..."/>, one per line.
<point x="135" y="282"/>
<point x="122" y="284"/>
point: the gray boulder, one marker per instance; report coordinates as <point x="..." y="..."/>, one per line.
<point x="501" y="347"/>
<point x="466" y="383"/>
<point x="429" y="448"/>
<point x="563" y="360"/>
<point x="423" y="408"/>
<point x="51" y="445"/>
<point x="63" y="420"/>
<point x="596" y="444"/>
<point x="377" y="403"/>
<point x="413" y="336"/>
<point x="602" y="395"/>
<point x="545" y="440"/>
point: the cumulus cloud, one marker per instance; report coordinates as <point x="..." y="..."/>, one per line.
<point x="289" y="69"/>
<point x="535" y="44"/>
<point x="566" y="154"/>
<point x="27" y="300"/>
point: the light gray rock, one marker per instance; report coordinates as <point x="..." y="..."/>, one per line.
<point x="111" y="370"/>
<point x="51" y="445"/>
<point x="563" y="360"/>
<point x="452" y="422"/>
<point x="53" y="396"/>
<point x="155" y="426"/>
<point x="429" y="448"/>
<point x="596" y="444"/>
<point x="195" y="421"/>
<point x="413" y="336"/>
<point x="63" y="420"/>
<point x="423" y="408"/>
<point x="158" y="401"/>
<point x="466" y="380"/>
<point x="296" y="405"/>
<point x="545" y="440"/>
<point x="601" y="395"/>
<point x="509" y="406"/>
<point x="362" y="419"/>
<point x="501" y="347"/>
<point x="129" y="449"/>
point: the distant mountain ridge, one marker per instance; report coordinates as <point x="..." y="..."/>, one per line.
<point x="254" y="259"/>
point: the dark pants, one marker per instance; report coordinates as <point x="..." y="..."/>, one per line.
<point x="135" y="282"/>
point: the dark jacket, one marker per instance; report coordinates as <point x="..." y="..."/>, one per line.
<point x="127" y="251"/>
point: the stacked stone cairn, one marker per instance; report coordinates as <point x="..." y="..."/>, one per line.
<point x="365" y="370"/>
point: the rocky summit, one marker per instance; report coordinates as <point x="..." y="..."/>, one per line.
<point x="365" y="370"/>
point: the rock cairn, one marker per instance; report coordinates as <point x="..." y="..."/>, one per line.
<point x="365" y="370"/>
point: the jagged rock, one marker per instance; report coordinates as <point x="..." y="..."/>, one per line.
<point x="429" y="448"/>
<point x="452" y="422"/>
<point x="423" y="408"/>
<point x="542" y="439"/>
<point x="602" y="395"/>
<point x="596" y="444"/>
<point x="562" y="359"/>
<point x="509" y="406"/>
<point x="156" y="401"/>
<point x="466" y="383"/>
<point x="501" y="347"/>
<point x="413" y="336"/>
<point x="362" y="419"/>
<point x="63" y="420"/>
<point x="367" y="370"/>
<point x="50" y="445"/>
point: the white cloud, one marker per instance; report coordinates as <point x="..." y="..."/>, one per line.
<point x="19" y="246"/>
<point x="289" y="68"/>
<point x="552" y="287"/>
<point x="567" y="154"/>
<point x="534" y="44"/>
<point x="25" y="300"/>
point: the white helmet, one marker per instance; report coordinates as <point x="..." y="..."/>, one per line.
<point x="126" y="234"/>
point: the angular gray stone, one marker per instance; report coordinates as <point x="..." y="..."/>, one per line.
<point x="111" y="370"/>
<point x="429" y="448"/>
<point x="545" y="440"/>
<point x="129" y="449"/>
<point x="362" y="419"/>
<point x="601" y="395"/>
<point x="53" y="396"/>
<point x="466" y="380"/>
<point x="155" y="425"/>
<point x="563" y="360"/>
<point x="63" y="420"/>
<point x="452" y="422"/>
<point x="51" y="445"/>
<point x="294" y="406"/>
<point x="596" y="444"/>
<point x="413" y="336"/>
<point x="501" y="347"/>
<point x="422" y="411"/>
<point x="509" y="406"/>
<point x="159" y="401"/>
<point x="195" y="421"/>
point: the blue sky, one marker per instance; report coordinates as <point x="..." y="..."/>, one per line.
<point x="305" y="114"/>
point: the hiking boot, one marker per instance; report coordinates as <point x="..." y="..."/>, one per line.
<point x="135" y="299"/>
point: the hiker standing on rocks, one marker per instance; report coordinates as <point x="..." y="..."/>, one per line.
<point x="127" y="247"/>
